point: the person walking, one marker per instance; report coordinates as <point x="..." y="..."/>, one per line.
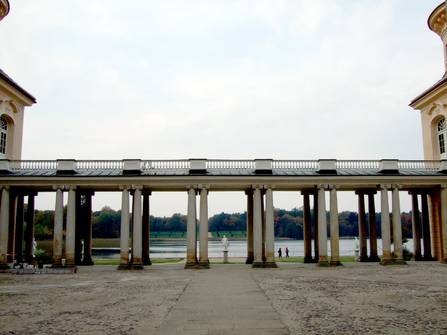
<point x="287" y="252"/>
<point x="279" y="253"/>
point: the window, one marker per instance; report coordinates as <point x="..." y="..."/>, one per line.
<point x="3" y="136"/>
<point x="442" y="133"/>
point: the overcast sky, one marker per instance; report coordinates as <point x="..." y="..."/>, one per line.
<point x="297" y="79"/>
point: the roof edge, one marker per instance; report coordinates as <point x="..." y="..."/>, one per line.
<point x="11" y="82"/>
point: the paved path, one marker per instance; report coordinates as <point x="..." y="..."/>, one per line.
<point x="223" y="300"/>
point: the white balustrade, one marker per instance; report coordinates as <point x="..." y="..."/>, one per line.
<point x="222" y="164"/>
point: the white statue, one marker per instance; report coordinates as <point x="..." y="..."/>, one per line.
<point x="225" y="243"/>
<point x="34" y="247"/>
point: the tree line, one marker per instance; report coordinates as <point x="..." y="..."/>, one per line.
<point x="288" y="223"/>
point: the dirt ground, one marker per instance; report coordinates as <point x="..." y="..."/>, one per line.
<point x="352" y="299"/>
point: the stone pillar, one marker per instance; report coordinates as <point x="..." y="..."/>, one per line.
<point x="307" y="234"/>
<point x="397" y="227"/>
<point x="250" y="255"/>
<point x="315" y="224"/>
<point x="58" y="226"/>
<point x="124" y="234"/>
<point x="426" y="228"/>
<point x="334" y="226"/>
<point x="257" y="228"/>
<point x="322" y="227"/>
<point x="70" y="235"/>
<point x="386" y="228"/>
<point x="19" y="229"/>
<point x="88" y="225"/>
<point x="191" y="251"/>
<point x="444" y="222"/>
<point x="263" y="225"/>
<point x="435" y="223"/>
<point x="203" y="257"/>
<point x="416" y="226"/>
<point x="269" y="230"/>
<point x="373" y="257"/>
<point x="29" y="233"/>
<point x="79" y="229"/>
<point x="362" y="228"/>
<point x="4" y="227"/>
<point x="137" y="248"/>
<point x="146" y="229"/>
<point x="12" y="225"/>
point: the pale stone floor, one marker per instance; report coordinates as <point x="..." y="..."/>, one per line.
<point x="229" y="299"/>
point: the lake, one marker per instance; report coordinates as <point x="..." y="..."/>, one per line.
<point x="238" y="248"/>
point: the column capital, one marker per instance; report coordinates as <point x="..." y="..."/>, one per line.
<point x="71" y="187"/>
<point x="396" y="186"/>
<point x="124" y="187"/>
<point x="249" y="192"/>
<point x="322" y="186"/>
<point x="6" y="187"/>
<point x="266" y="187"/>
<point x="443" y="186"/>
<point x="146" y="191"/>
<point x="203" y="187"/>
<point x="137" y="187"/>
<point x="256" y="187"/>
<point x="58" y="187"/>
<point x="332" y="187"/>
<point x="384" y="186"/>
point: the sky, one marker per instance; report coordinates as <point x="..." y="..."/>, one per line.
<point x="230" y="79"/>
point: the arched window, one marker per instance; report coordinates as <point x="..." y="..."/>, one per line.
<point x="3" y="136"/>
<point x="442" y="137"/>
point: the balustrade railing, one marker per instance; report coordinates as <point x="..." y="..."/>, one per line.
<point x="419" y="165"/>
<point x="33" y="165"/>
<point x="230" y="164"/>
<point x="298" y="165"/>
<point x="165" y="164"/>
<point x="357" y="164"/>
<point x="216" y="164"/>
<point x="99" y="165"/>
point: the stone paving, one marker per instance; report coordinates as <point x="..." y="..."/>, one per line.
<point x="223" y="300"/>
<point x="229" y="299"/>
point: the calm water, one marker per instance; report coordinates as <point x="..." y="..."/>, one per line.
<point x="177" y="248"/>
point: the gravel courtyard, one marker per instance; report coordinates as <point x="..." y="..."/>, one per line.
<point x="229" y="299"/>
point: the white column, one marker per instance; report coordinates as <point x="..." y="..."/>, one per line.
<point x="4" y="227"/>
<point x="71" y="227"/>
<point x="203" y="260"/>
<point x="269" y="230"/>
<point x="137" y="229"/>
<point x="58" y="225"/>
<point x="444" y="221"/>
<point x="397" y="226"/>
<point x="334" y="226"/>
<point x="385" y="222"/>
<point x="124" y="234"/>
<point x="322" y="227"/>
<point x="191" y="258"/>
<point x="257" y="228"/>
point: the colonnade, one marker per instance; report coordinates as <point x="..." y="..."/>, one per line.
<point x="135" y="229"/>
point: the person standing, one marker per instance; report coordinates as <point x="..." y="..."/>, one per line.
<point x="287" y="252"/>
<point x="279" y="253"/>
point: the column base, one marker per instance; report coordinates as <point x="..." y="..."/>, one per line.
<point x="136" y="267"/>
<point x="393" y="262"/>
<point x="87" y="261"/>
<point x="249" y="260"/>
<point x="443" y="261"/>
<point x="323" y="263"/>
<point x="123" y="267"/>
<point x="362" y="259"/>
<point x="4" y="267"/>
<point x="204" y="264"/>
<point x="374" y="259"/>
<point x="427" y="259"/>
<point x="270" y="265"/>
<point x="335" y="263"/>
<point x="146" y="260"/>
<point x="308" y="260"/>
<point x="257" y="265"/>
<point x="190" y="265"/>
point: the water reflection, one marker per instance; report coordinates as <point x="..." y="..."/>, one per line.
<point x="177" y="248"/>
